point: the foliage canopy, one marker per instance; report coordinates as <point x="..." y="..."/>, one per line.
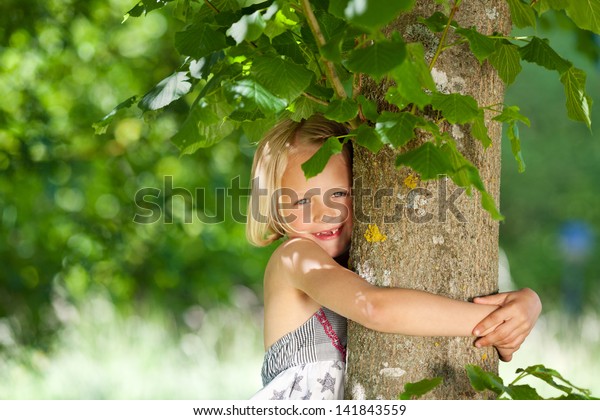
<point x="250" y="62"/>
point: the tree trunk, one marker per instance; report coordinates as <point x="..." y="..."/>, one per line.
<point x="433" y="236"/>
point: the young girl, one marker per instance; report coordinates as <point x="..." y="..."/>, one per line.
<point x="308" y="292"/>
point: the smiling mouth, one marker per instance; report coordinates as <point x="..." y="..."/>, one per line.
<point x="328" y="234"/>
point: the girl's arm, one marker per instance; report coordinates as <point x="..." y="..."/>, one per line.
<point x="392" y="310"/>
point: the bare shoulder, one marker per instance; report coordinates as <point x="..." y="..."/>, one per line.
<point x="286" y="306"/>
<point x="297" y="255"/>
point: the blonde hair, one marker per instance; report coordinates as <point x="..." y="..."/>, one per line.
<point x="264" y="226"/>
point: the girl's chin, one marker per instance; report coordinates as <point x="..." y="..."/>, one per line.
<point x="335" y="251"/>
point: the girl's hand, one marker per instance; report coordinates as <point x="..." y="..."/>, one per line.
<point x="514" y="319"/>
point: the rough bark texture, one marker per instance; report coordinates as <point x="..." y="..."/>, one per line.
<point x="429" y="246"/>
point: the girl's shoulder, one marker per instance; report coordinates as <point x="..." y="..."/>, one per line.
<point x="290" y="256"/>
<point x="286" y="306"/>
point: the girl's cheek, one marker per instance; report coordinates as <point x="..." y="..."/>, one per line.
<point x="293" y="217"/>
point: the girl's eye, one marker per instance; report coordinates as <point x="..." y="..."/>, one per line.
<point x="340" y="194"/>
<point x="302" y="201"/>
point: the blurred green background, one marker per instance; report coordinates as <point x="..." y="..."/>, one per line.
<point x="93" y="305"/>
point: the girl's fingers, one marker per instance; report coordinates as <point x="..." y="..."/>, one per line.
<point x="497" y="299"/>
<point x="504" y="335"/>
<point x="487" y="324"/>
<point x="505" y="354"/>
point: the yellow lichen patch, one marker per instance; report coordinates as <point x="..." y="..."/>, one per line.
<point x="484" y="357"/>
<point x="411" y="181"/>
<point x="436" y="344"/>
<point x="373" y="234"/>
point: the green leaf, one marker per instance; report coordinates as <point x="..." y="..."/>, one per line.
<point x="479" y="130"/>
<point x="318" y="161"/>
<point x="248" y="94"/>
<point x="377" y="59"/>
<point x="464" y="173"/>
<point x="225" y="5"/>
<point x="512" y="113"/>
<point x="280" y="23"/>
<point x="543" y="6"/>
<point x="146" y="6"/>
<point x="428" y="160"/>
<point x="248" y="28"/>
<point x="481" y="45"/>
<point x="539" y="52"/>
<point x="436" y="22"/>
<point x="522" y="392"/>
<point x="573" y="396"/>
<point x="168" y="90"/>
<point x="285" y="44"/>
<point x="342" y="110"/>
<point x="248" y="3"/>
<point x="206" y="124"/>
<point x="183" y="9"/>
<point x="255" y="130"/>
<point x="515" y="144"/>
<point x="579" y="105"/>
<point x="397" y="129"/>
<point x="202" y="67"/>
<point x="368" y="108"/>
<point x="411" y="77"/>
<point x="334" y="32"/>
<point x="222" y="72"/>
<point x="522" y="14"/>
<point x="242" y="116"/>
<point x="585" y="14"/>
<point x="548" y="375"/>
<point x="482" y="380"/>
<point x="303" y="107"/>
<point x="199" y="40"/>
<point x="418" y="389"/>
<point x="101" y="126"/>
<point x="367" y="137"/>
<point x="369" y="14"/>
<point x="507" y="61"/>
<point x="488" y="204"/>
<point x="456" y="108"/>
<point x="282" y="78"/>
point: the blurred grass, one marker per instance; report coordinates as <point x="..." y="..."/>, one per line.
<point x="568" y="345"/>
<point x="104" y="354"/>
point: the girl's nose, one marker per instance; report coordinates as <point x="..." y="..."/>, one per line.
<point x="324" y="213"/>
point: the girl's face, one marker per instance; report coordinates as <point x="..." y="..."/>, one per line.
<point x="320" y="208"/>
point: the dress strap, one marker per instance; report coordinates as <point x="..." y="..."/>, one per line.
<point x="330" y="332"/>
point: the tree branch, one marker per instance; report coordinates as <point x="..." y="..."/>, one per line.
<point x="440" y="47"/>
<point x="329" y="66"/>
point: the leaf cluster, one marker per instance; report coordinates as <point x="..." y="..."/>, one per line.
<point x="484" y="381"/>
<point x="489" y="381"/>
<point x="249" y="63"/>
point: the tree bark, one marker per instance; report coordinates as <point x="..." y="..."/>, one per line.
<point x="436" y="237"/>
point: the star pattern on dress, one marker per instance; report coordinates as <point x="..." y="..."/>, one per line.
<point x="278" y="395"/>
<point x="296" y="385"/>
<point x="337" y="365"/>
<point x="307" y="396"/>
<point x="328" y="383"/>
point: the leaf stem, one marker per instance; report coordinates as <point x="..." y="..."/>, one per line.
<point x="315" y="99"/>
<point x="440" y="47"/>
<point x="518" y="378"/>
<point x="316" y="30"/>
<point x="212" y="6"/>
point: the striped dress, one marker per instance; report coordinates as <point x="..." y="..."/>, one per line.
<point x="308" y="363"/>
